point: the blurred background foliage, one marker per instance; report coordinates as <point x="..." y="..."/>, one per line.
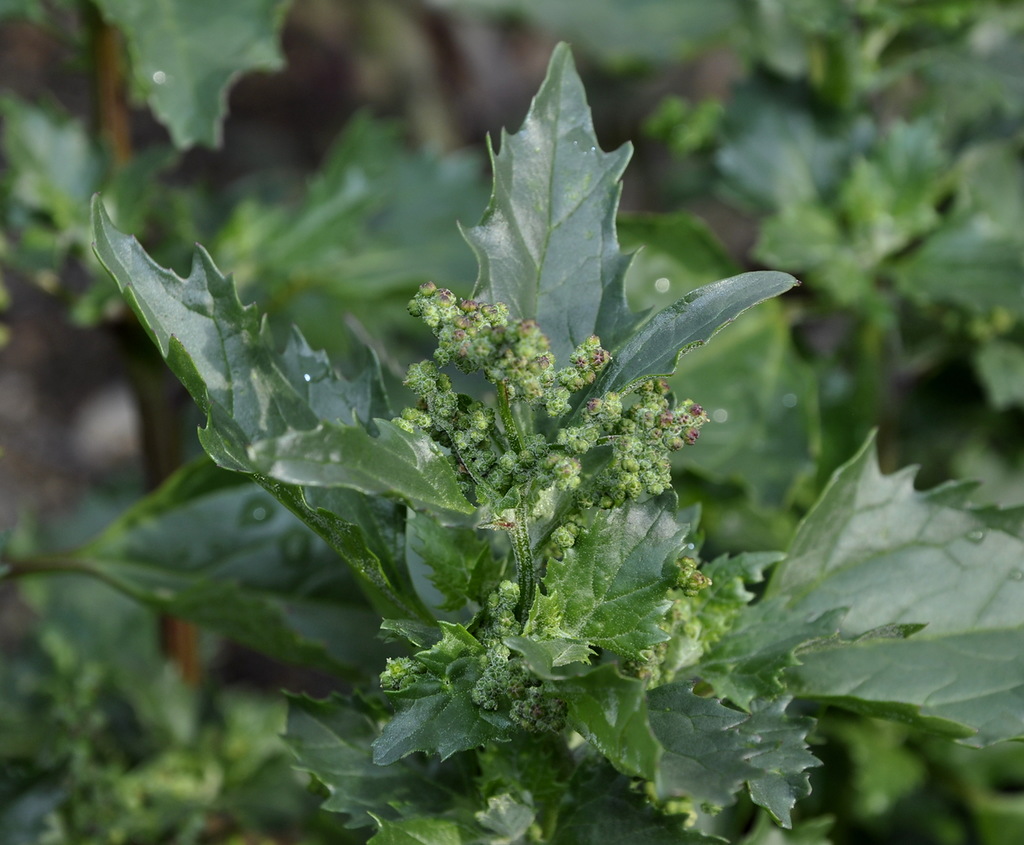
<point x="326" y="152"/>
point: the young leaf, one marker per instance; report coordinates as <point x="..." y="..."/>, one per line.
<point x="434" y="712"/>
<point x="610" y="589"/>
<point x="331" y="740"/>
<point x="547" y="245"/>
<point x="184" y="77"/>
<point x="453" y="556"/>
<point x="257" y="404"/>
<point x="894" y="557"/>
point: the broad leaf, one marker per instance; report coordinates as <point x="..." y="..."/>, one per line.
<point x="711" y="750"/>
<point x="782" y="756"/>
<point x="610" y="588"/>
<point x="547" y="245"/>
<point x="1000" y="367"/>
<point x="609" y="711"/>
<point x="435" y="713"/>
<point x="331" y="740"/>
<point x="895" y="557"/>
<point x="185" y="53"/>
<point x="261" y="404"/>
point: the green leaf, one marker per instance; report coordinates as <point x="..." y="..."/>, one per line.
<point x="655" y="347"/>
<point x="395" y="461"/>
<point x="602" y="807"/>
<point x="1000" y="367"/>
<point x="748" y="662"/>
<point x="547" y="245"/>
<point x="779" y="152"/>
<point x="454" y="557"/>
<point x="435" y="713"/>
<point x="782" y="756"/>
<point x="812" y="832"/>
<point x="185" y="54"/>
<point x="262" y="405"/>
<point x="424" y="832"/>
<point x="609" y="711"/>
<point x="711" y="750"/>
<point x="610" y="588"/>
<point x="211" y="547"/>
<point x="892" y="556"/>
<point x="331" y="740"/>
<point x="705" y="756"/>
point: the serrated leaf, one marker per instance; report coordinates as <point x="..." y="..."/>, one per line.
<point x="609" y="711"/>
<point x="546" y="244"/>
<point x="601" y="807"/>
<point x="185" y="54"/>
<point x="610" y="588"/>
<point x="210" y="547"/>
<point x="711" y="750"/>
<point x="435" y="713"/>
<point x="331" y="740"/>
<point x="705" y="756"/>
<point x="895" y="557"/>
<point x="258" y="404"/>
<point x="782" y="756"/>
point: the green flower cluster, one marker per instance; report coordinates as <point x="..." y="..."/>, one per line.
<point x="478" y="337"/>
<point x="641" y="439"/>
<point x="506" y="681"/>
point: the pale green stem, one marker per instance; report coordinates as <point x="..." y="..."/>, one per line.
<point x="520" y="530"/>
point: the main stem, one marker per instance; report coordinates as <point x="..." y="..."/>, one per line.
<point x="519" y="532"/>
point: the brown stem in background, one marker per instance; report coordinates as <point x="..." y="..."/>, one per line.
<point x="160" y="432"/>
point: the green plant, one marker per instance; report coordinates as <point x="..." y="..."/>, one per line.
<point x="562" y="666"/>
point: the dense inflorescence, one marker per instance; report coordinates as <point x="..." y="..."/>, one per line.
<point x="626" y="439"/>
<point x="514" y="355"/>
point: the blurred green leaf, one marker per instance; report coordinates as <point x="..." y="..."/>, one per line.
<point x="185" y="54"/>
<point x="332" y="739"/>
<point x="1000" y="367"/>
<point x="213" y="548"/>
<point x="424" y="832"/>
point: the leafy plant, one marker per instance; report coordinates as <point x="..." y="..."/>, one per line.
<point x="563" y="667"/>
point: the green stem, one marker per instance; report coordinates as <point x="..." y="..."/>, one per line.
<point x="508" y="421"/>
<point x="525" y="571"/>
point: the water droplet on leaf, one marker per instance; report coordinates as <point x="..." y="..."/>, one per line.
<point x="255" y="511"/>
<point x="789" y="400"/>
<point x="662" y="285"/>
<point x="1016" y="575"/>
<point x="976" y="536"/>
<point x="307" y="377"/>
<point x="159" y="77"/>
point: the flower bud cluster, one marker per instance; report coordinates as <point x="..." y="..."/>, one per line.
<point x="641" y="438"/>
<point x="505" y="680"/>
<point x="400" y="672"/>
<point x="477" y="336"/>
